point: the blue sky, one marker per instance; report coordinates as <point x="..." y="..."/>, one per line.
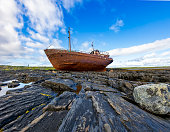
<point x="134" y="32"/>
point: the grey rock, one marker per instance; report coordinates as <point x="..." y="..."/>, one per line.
<point x="52" y="115"/>
<point x="60" y="84"/>
<point x="26" y="78"/>
<point x="107" y="128"/>
<point x="3" y="84"/>
<point x="63" y="102"/>
<point x="15" y="81"/>
<point x="153" y="97"/>
<point x="128" y="85"/>
<point x="22" y="106"/>
<point x="27" y="86"/>
<point x="107" y="111"/>
<point x="98" y="87"/>
<point x="13" y="85"/>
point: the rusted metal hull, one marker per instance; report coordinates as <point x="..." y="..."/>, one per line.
<point x="77" y="61"/>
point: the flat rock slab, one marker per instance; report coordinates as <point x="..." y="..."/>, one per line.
<point x="22" y="106"/>
<point x="109" y="112"/>
<point x="59" y="85"/>
<point x="88" y="86"/>
<point x="49" y="119"/>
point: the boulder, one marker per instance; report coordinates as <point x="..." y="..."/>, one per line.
<point x="13" y="85"/>
<point x="153" y="97"/>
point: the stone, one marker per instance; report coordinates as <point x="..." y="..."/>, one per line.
<point x="107" y="128"/>
<point x="153" y="97"/>
<point x="15" y="81"/>
<point x="60" y="84"/>
<point x="128" y="85"/>
<point x="13" y="85"/>
<point x="27" y="86"/>
<point x="26" y="78"/>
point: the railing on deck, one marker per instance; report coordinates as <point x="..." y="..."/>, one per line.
<point x="101" y="52"/>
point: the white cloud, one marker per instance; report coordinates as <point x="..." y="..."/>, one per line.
<point x="165" y="53"/>
<point x="154" y="46"/>
<point x="151" y="55"/>
<point x="28" y="50"/>
<point x="156" y="53"/>
<point x="45" y="15"/>
<point x="35" y="45"/>
<point x="41" y="52"/>
<point x="68" y="4"/>
<point x="143" y="62"/>
<point x="116" y="27"/>
<point x="63" y="30"/>
<point x="44" y="19"/>
<point x="56" y="43"/>
<point x="38" y="37"/>
<point x="86" y="46"/>
<point x="26" y="39"/>
<point x="9" y="40"/>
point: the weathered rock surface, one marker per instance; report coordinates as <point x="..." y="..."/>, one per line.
<point x="142" y="75"/>
<point x="153" y="97"/>
<point x="26" y="78"/>
<point x="78" y="101"/>
<point x="13" y="84"/>
<point x="51" y="115"/>
<point x="60" y="84"/>
<point x="22" y="106"/>
<point x="108" y="111"/>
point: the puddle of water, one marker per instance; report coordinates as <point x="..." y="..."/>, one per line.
<point x="4" y="89"/>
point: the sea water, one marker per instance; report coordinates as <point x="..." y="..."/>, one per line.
<point x="5" y="88"/>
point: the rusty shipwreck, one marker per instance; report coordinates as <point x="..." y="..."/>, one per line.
<point x="78" y="61"/>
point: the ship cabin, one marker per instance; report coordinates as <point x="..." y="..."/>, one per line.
<point x="97" y="52"/>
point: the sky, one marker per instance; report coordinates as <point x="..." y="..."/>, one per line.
<point x="136" y="33"/>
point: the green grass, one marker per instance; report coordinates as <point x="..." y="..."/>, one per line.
<point x="141" y="68"/>
<point x="144" y="67"/>
<point x="7" y="67"/>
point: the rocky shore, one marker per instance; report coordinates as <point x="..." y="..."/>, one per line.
<point x="115" y="100"/>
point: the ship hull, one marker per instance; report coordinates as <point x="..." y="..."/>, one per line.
<point x="77" y="61"/>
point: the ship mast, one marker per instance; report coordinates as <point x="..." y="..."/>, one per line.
<point x="69" y="39"/>
<point x="92" y="46"/>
